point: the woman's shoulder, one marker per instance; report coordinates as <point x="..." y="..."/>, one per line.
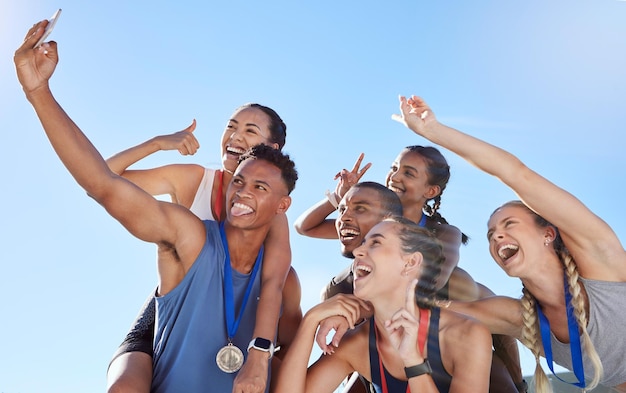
<point x="461" y="329"/>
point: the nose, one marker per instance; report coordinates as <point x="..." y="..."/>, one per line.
<point x="237" y="135"/>
<point x="345" y="215"/>
<point x="393" y="175"/>
<point x="359" y="251"/>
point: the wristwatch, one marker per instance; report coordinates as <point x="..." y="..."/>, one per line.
<point x="262" y="344"/>
<point x="417" y="370"/>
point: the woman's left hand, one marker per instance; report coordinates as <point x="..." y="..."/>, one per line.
<point x="403" y="329"/>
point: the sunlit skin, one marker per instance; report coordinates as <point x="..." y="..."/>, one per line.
<point x="408" y="177"/>
<point x="517" y="244"/>
<point x="248" y="127"/>
<point x="359" y="210"/>
<point x="256" y="185"/>
<point x="377" y="262"/>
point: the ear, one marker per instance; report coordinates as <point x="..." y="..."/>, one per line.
<point x="412" y="263"/>
<point x="549" y="233"/>
<point x="275" y="146"/>
<point x="432" y="192"/>
<point x="284" y="204"/>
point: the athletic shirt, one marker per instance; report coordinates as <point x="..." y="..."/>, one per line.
<point x="606" y="329"/>
<point x="440" y="375"/>
<point x="201" y="205"/>
<point x="191" y="328"/>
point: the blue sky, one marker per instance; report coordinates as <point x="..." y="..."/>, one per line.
<point x="544" y="80"/>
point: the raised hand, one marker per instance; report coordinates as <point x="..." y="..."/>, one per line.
<point x="330" y="313"/>
<point x="35" y="66"/>
<point x="184" y="141"/>
<point x="415" y="114"/>
<point x="337" y="323"/>
<point x="403" y="329"/>
<point x="349" y="178"/>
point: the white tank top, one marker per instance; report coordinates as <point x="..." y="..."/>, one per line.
<point x="201" y="205"/>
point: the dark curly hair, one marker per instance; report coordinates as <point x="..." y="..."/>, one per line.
<point x="279" y="159"/>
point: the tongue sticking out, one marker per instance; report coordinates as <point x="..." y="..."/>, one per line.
<point x="240" y="210"/>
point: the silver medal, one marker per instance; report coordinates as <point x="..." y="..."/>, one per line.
<point x="229" y="359"/>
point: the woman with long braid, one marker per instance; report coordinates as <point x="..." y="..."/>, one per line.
<point x="571" y="263"/>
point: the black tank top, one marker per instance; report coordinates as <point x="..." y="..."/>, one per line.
<point x="440" y="375"/>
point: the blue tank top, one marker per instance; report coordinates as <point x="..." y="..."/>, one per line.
<point x="190" y="327"/>
<point x="440" y="375"/>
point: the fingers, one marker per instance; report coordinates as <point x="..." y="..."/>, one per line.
<point x="34" y="33"/>
<point x="339" y="332"/>
<point x="191" y="127"/>
<point x="320" y="337"/>
<point x="357" y="164"/>
<point x="362" y="172"/>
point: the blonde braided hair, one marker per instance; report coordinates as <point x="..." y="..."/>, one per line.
<point x="531" y="332"/>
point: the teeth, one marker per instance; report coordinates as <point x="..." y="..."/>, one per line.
<point x="242" y="206"/>
<point x="235" y="150"/>
<point x="507" y="251"/>
<point x="362" y="271"/>
<point x="395" y="189"/>
<point x="349" y="233"/>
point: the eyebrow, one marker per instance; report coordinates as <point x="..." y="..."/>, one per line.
<point x="376" y="236"/>
<point x="263" y="182"/>
<point x="491" y="228"/>
<point x="247" y="124"/>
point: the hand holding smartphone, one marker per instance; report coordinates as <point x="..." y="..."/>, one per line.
<point x="49" y="28"/>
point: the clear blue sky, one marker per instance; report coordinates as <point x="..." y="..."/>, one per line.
<point x="544" y="80"/>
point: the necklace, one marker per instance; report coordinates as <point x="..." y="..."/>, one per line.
<point x="574" y="340"/>
<point x="230" y="358"/>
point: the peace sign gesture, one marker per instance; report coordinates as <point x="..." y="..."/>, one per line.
<point x="403" y="328"/>
<point x="349" y="178"/>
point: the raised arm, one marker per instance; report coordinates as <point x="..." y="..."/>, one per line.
<point x="314" y="222"/>
<point x="179" y="181"/>
<point x="142" y="215"/>
<point x="596" y="248"/>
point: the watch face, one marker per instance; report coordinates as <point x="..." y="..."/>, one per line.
<point x="262" y="343"/>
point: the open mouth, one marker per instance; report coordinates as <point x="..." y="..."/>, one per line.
<point x="239" y="209"/>
<point x="395" y="189"/>
<point x="348" y="234"/>
<point x="361" y="271"/>
<point x="235" y="151"/>
<point x="507" y="251"/>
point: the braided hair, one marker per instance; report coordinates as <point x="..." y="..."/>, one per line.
<point x="438" y="172"/>
<point x="531" y="333"/>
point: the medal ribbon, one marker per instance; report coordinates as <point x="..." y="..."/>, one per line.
<point x="422" y="334"/>
<point x="422" y="222"/>
<point x="574" y="340"/>
<point x="232" y="324"/>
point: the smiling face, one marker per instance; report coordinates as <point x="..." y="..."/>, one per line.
<point x="408" y="178"/>
<point x="516" y="241"/>
<point x="379" y="261"/>
<point x="358" y="211"/>
<point x="248" y="127"/>
<point x="256" y="194"/>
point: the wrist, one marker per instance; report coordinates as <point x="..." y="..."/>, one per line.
<point x="263" y="346"/>
<point x="333" y="198"/>
<point x="418" y="369"/>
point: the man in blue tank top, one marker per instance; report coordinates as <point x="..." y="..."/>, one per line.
<point x="208" y="281"/>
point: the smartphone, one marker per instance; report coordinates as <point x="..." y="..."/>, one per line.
<point x="49" y="28"/>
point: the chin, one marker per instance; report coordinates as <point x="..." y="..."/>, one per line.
<point x="347" y="253"/>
